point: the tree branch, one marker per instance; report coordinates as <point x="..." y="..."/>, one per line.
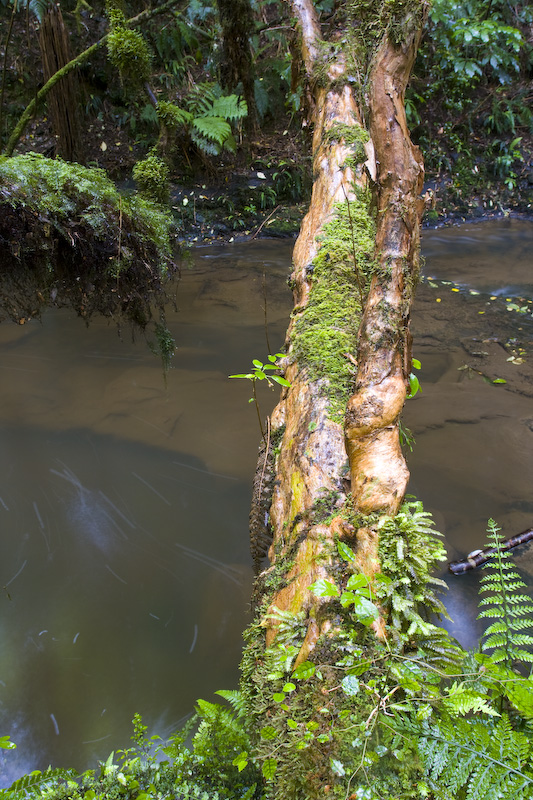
<point x="133" y="22"/>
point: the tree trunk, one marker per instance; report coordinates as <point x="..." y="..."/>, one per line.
<point x="63" y="99"/>
<point x="339" y="469"/>
<point x="236" y="19"/>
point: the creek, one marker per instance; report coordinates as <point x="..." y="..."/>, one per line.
<point x="125" y="498"/>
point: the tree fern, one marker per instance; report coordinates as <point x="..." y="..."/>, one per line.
<point x="503" y="603"/>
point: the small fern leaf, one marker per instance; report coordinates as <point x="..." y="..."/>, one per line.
<point x="234" y="698"/>
<point x="39" y="8"/>
<point x="205" y="144"/>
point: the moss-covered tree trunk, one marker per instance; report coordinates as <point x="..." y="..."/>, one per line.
<point x="340" y="473"/>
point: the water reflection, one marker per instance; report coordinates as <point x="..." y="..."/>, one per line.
<point x="473" y="457"/>
<point x="124" y="510"/>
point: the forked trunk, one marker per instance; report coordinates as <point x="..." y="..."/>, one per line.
<point x="339" y="466"/>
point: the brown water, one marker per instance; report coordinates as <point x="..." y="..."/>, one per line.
<point x="124" y="502"/>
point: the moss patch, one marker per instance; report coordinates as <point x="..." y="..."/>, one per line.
<point x="325" y="337"/>
<point x="70" y="238"/>
<point x="354" y="136"/>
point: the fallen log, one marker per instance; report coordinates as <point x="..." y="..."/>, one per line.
<point x="479" y="557"/>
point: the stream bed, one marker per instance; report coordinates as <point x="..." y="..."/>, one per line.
<point x="124" y="500"/>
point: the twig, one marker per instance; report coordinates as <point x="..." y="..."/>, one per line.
<point x="264" y="223"/>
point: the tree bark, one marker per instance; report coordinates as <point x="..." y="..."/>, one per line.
<point x="236" y="18"/>
<point x="63" y="99"/>
<point x="314" y="446"/>
<point x="339" y="467"/>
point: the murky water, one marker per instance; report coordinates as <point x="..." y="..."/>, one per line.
<point x="473" y="457"/>
<point x="124" y="501"/>
<point x="124" y="512"/>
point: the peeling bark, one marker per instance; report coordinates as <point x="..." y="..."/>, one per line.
<point x="379" y="474"/>
<point x="314" y="448"/>
<point x="336" y="482"/>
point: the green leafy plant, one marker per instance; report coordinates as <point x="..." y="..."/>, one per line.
<point x="414" y="383"/>
<point x="212" y="116"/>
<point x="357" y="596"/>
<point x="474" y="759"/>
<point x="151" y="176"/>
<point x="263" y="372"/>
<point x="510" y="609"/>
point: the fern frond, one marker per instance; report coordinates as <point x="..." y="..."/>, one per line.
<point x="39" y="8"/>
<point x="486" y="760"/>
<point x="201" y="98"/>
<point x="462" y="700"/>
<point x="235" y="699"/>
<point x="503" y="603"/>
<point x="229" y="107"/>
<point x="32" y="783"/>
<point x="214" y="128"/>
<point x="204" y="144"/>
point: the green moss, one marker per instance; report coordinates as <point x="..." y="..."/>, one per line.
<point x="151" y="176"/>
<point x="63" y="190"/>
<point x="326" y="726"/>
<point x="355" y="136"/>
<point x="325" y="336"/>
<point x="128" y="52"/>
<point x="70" y="235"/>
<point x="127" y="49"/>
<point x="172" y="115"/>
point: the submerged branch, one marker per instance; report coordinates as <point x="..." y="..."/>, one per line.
<point x="479" y="557"/>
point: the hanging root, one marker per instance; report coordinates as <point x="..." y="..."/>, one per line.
<point x="260" y="529"/>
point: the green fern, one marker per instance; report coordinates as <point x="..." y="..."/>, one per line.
<point x="408" y="552"/>
<point x="213" y="128"/>
<point x="212" y="114"/>
<point x="201" y="98"/>
<point x="235" y="699"/>
<point x="503" y="603"/>
<point x="489" y="762"/>
<point x="229" y="107"/>
<point x="34" y="783"/>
